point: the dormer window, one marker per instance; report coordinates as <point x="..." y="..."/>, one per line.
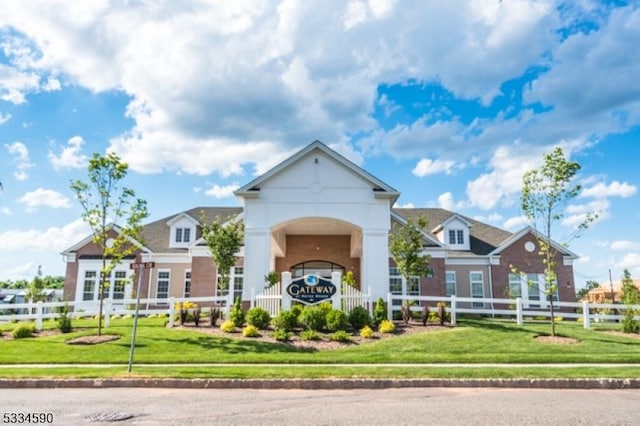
<point x="183" y="235"/>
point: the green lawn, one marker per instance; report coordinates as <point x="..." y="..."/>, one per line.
<point x="472" y="341"/>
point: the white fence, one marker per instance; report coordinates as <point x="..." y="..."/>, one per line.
<point x="516" y="308"/>
<point x="271" y="300"/>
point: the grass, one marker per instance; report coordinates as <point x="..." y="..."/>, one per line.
<point x="472" y="341"/>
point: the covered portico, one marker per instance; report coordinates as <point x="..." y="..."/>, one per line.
<point x="318" y="207"/>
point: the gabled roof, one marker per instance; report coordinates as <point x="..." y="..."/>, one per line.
<point x="430" y="241"/>
<point x="451" y="218"/>
<point x="89" y="239"/>
<point x="483" y="238"/>
<point x="157" y="234"/>
<point x="252" y="189"/>
<point x="179" y="216"/>
<point x="526" y="230"/>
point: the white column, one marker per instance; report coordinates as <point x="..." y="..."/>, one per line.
<point x="375" y="262"/>
<point x="286" y="300"/>
<point x="257" y="259"/>
<point x="336" y="280"/>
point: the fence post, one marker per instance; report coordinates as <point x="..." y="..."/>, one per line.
<point x="172" y="304"/>
<point x="337" y="298"/>
<point x="453" y="310"/>
<point x="285" y="300"/>
<point x="252" y="302"/>
<point x="370" y="304"/>
<point x="107" y="310"/>
<point x="39" y="315"/>
<point x="227" y="308"/>
<point x="586" y="318"/>
<point x="389" y="306"/>
<point x="519" y="310"/>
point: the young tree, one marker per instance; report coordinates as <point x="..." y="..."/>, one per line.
<point x="113" y="212"/>
<point x="546" y="193"/>
<point x="406" y="250"/>
<point x="590" y="285"/>
<point x="224" y="240"/>
<point x="34" y="292"/>
<point x="630" y="297"/>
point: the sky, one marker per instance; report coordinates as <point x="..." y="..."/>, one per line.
<point x="450" y="102"/>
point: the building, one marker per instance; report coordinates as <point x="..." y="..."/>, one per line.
<point x="605" y="293"/>
<point x="317" y="212"/>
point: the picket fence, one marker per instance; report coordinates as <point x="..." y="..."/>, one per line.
<point x="271" y="300"/>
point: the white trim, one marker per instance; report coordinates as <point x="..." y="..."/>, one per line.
<point x="471" y="285"/>
<point x="467" y="261"/>
<point x="449" y="219"/>
<point x="158" y="271"/>
<point x="403" y="221"/>
<point x="251" y="189"/>
<point x="74" y="248"/>
<point x="183" y="215"/>
<point x="528" y="229"/>
<point x="170" y="258"/>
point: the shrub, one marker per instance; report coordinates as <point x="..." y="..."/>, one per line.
<point x="23" y="329"/>
<point x="629" y="323"/>
<point x="228" y="326"/>
<point x="309" y="335"/>
<point x="443" y="315"/>
<point x="128" y="316"/>
<point x="312" y="318"/>
<point x="281" y="335"/>
<point x="297" y="310"/>
<point x="366" y="332"/>
<point x="359" y="317"/>
<point x="386" y="326"/>
<point x="258" y="317"/>
<point x="285" y="320"/>
<point x="341" y="336"/>
<point x="237" y="314"/>
<point x="250" y="331"/>
<point x="64" y="320"/>
<point x="379" y="312"/>
<point x="337" y="320"/>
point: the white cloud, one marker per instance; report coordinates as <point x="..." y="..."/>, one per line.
<point x="4" y="118"/>
<point x="629" y="261"/>
<point x="53" y="239"/>
<point x="492" y="218"/>
<point x="44" y="198"/>
<point x="71" y="155"/>
<point x="614" y="189"/>
<point x="514" y="223"/>
<point x="21" y="159"/>
<point x="218" y="191"/>
<point x="578" y="213"/>
<point x="625" y="245"/>
<point x="6" y="211"/>
<point x="408" y="205"/>
<point x="427" y="166"/>
<point x="445" y="201"/>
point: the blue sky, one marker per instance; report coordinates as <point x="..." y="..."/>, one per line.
<point x="449" y="102"/>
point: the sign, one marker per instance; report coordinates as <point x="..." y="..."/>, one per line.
<point x="142" y="265"/>
<point x="311" y="289"/>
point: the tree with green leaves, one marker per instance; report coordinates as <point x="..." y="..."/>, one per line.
<point x="630" y="297"/>
<point x="113" y="212"/>
<point x="589" y="285"/>
<point x="406" y="248"/>
<point x="224" y="239"/>
<point x="34" y="292"/>
<point x="546" y="193"/>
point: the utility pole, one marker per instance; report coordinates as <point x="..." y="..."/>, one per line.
<point x="613" y="296"/>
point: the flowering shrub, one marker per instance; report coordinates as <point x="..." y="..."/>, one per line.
<point x="386" y="326"/>
<point x="228" y="326"/>
<point x="366" y="332"/>
<point x="250" y="331"/>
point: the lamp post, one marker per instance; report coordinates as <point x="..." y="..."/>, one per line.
<point x="138" y="267"/>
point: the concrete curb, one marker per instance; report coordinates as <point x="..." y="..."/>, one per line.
<point x="321" y="383"/>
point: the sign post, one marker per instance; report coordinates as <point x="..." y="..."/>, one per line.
<point x="139" y="268"/>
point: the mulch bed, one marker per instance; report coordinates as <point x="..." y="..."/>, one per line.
<point x="92" y="339"/>
<point x="324" y="343"/>
<point x="558" y="340"/>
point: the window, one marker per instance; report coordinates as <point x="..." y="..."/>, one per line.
<point x="119" y="285"/>
<point x="456" y="236"/>
<point x="183" y="235"/>
<point x="187" y="284"/>
<point x="89" y="285"/>
<point x="450" y="282"/>
<point x="163" y="284"/>
<point x="236" y="279"/>
<point x="398" y="286"/>
<point x="318" y="267"/>
<point x="531" y="287"/>
<point x="476" y="282"/>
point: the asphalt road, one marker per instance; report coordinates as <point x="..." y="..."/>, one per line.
<point x="468" y="406"/>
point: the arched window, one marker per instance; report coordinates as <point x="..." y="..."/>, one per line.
<point x="319" y="267"/>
